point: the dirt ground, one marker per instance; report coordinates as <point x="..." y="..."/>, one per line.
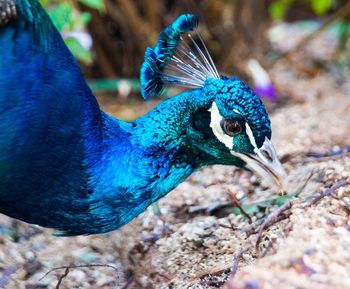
<point x="198" y="242"/>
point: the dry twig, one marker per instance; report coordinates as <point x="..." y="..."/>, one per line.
<point x="273" y="218"/>
<point x="235" y="201"/>
<point x="217" y="271"/>
<point x="67" y="268"/>
<point x="325" y="193"/>
<point x="236" y="263"/>
<point x="284" y="212"/>
<point x="60" y="279"/>
<point x="231" y="226"/>
<point x="129" y="282"/>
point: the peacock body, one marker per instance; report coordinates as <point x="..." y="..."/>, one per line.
<point x="65" y="164"/>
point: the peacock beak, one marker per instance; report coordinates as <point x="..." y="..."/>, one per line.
<point x="266" y="164"/>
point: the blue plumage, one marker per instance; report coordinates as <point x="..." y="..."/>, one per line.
<point x="67" y="165"/>
<point x="169" y="39"/>
<point x="157" y="58"/>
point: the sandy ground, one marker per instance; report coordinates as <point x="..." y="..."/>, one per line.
<point x="198" y="242"/>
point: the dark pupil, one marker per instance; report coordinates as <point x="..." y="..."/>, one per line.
<point x="230" y="127"/>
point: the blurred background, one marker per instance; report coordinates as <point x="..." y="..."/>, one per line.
<point x="109" y="37"/>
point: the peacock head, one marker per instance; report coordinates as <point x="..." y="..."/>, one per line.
<point x="229" y="123"/>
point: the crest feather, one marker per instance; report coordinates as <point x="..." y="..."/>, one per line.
<point x="173" y="61"/>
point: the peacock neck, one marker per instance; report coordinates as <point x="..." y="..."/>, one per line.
<point x="156" y="144"/>
<point x="167" y="126"/>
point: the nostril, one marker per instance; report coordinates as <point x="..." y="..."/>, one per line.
<point x="267" y="155"/>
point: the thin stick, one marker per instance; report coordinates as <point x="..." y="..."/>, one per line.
<point x="273" y="218"/>
<point x="67" y="268"/>
<point x="79" y="266"/>
<point x="129" y="282"/>
<point x="61" y="278"/>
<point x="220" y="270"/>
<point x="236" y="263"/>
<point x="254" y="229"/>
<point x="233" y="228"/>
<point x="284" y="212"/>
<point x="235" y="201"/>
<point x="325" y="193"/>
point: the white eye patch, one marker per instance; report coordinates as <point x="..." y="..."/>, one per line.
<point x="215" y="119"/>
<point x="249" y="133"/>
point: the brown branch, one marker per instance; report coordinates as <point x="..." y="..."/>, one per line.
<point x="67" y="268"/>
<point x="236" y="263"/>
<point x="284" y="212"/>
<point x="214" y="271"/>
<point x="60" y="279"/>
<point x="325" y="193"/>
<point x="232" y="227"/>
<point x="217" y="271"/>
<point x="133" y="18"/>
<point x="129" y="282"/>
<point x="235" y="201"/>
<point x="273" y="218"/>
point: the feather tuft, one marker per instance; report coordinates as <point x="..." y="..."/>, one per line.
<point x="150" y="76"/>
<point x="173" y="61"/>
<point x="169" y="39"/>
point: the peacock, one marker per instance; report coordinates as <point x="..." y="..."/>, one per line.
<point x="67" y="165"/>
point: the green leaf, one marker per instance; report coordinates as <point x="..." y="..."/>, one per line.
<point x="78" y="50"/>
<point x="278" y="9"/>
<point x="61" y="15"/>
<point x="83" y="19"/>
<point x="95" y="4"/>
<point x="281" y="200"/>
<point x="321" y="7"/>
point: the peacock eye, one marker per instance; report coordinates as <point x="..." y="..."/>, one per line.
<point x="230" y="127"/>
